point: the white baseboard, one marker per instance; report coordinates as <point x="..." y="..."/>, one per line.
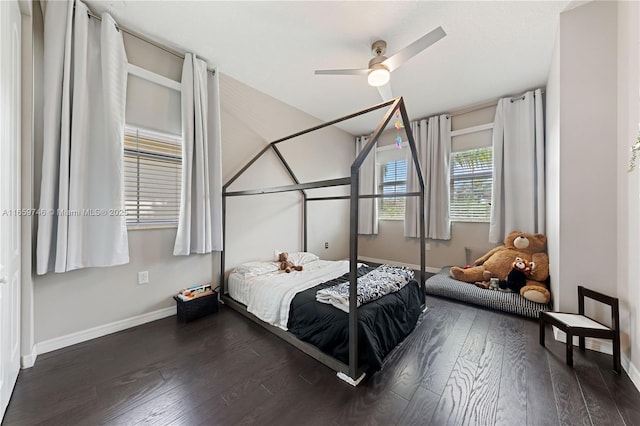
<point x="393" y="262"/>
<point x="631" y="370"/>
<point x="92" y="333"/>
<point x="27" y="361"/>
<point x="604" y="346"/>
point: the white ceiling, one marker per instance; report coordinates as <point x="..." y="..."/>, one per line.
<point x="492" y="48"/>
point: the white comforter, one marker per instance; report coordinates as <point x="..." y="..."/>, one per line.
<point x="269" y="296"/>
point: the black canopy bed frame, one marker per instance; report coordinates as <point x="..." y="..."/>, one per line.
<point x="352" y="369"/>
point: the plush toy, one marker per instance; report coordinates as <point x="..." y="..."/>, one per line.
<point x="521" y="270"/>
<point x="287" y="265"/>
<point x="486" y="283"/>
<point x="499" y="262"/>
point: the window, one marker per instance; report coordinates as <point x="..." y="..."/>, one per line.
<point x="152" y="170"/>
<point x="471" y="175"/>
<point x="393" y="180"/>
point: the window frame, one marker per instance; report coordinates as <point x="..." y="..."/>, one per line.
<point x="482" y="174"/>
<point x="385" y="157"/>
<point x="133" y="131"/>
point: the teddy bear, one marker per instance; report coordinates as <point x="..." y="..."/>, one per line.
<point x="521" y="270"/>
<point x="285" y="264"/>
<point x="499" y="261"/>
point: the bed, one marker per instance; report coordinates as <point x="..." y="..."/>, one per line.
<point x="442" y="284"/>
<point x="289" y="301"/>
<point x="351" y="342"/>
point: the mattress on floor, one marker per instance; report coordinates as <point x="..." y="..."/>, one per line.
<point x="442" y="284"/>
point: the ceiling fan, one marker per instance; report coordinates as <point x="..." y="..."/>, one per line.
<point x="380" y="67"/>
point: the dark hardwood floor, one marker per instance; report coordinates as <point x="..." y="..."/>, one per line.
<point x="462" y="365"/>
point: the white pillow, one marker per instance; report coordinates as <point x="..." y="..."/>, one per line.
<point x="257" y="268"/>
<point x="302" y="257"/>
<point x="298" y="257"/>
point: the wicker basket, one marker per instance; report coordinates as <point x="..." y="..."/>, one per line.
<point x="197" y="308"/>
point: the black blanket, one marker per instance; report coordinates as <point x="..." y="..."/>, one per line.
<point x="382" y="324"/>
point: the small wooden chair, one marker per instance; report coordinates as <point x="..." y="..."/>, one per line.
<point x="582" y="326"/>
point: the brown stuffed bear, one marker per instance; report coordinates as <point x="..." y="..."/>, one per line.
<point x="287" y="265"/>
<point x="499" y="261"/>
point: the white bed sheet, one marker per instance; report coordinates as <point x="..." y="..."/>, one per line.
<point x="269" y="296"/>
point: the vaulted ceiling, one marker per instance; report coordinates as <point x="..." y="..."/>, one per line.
<point x="492" y="48"/>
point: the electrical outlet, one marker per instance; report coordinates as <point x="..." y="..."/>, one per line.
<point x="427" y="246"/>
<point x="326" y="245"/>
<point x="143" y="277"/>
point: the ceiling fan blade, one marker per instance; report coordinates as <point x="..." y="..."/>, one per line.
<point x="414" y="48"/>
<point x="385" y="92"/>
<point x="342" y="72"/>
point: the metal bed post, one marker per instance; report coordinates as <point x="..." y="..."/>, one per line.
<point x="305" y="222"/>
<point x="353" y="238"/>
<point x="423" y="254"/>
<point x="416" y="164"/>
<point x="353" y="274"/>
<point x="224" y="244"/>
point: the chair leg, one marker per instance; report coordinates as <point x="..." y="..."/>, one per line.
<point x="543" y="325"/>
<point x="569" y="350"/>
<point x="616" y="353"/>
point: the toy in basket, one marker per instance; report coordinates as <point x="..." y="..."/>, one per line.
<point x="195" y="302"/>
<point x="195" y="292"/>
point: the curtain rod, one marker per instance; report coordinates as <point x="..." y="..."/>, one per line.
<point x="145" y="39"/>
<point x="476" y="107"/>
<point x="472" y="108"/>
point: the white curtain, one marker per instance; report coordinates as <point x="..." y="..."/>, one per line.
<point x="82" y="190"/>
<point x="518" y="200"/>
<point x="367" y="211"/>
<point x="433" y="143"/>
<point x="200" y="221"/>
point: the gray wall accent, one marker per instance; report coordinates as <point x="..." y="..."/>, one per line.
<point x="80" y="300"/>
<point x="390" y="243"/>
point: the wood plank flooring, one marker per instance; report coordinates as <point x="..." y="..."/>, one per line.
<point x="462" y="365"/>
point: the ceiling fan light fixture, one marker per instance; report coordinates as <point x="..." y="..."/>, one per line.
<point x="378" y="75"/>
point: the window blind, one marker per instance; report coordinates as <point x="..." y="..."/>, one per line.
<point x="471" y="185"/>
<point x="394" y="180"/>
<point x="152" y="169"/>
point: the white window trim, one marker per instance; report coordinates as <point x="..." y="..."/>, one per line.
<point x="153" y="77"/>
<point x="474" y="129"/>
<point x="478" y="175"/>
<point x="465" y="131"/>
<point x="161" y="80"/>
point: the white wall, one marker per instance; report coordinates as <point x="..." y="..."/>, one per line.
<point x="583" y="159"/>
<point x="593" y="203"/>
<point x="88" y="298"/>
<point x="552" y="152"/>
<point x="257" y="225"/>
<point x="628" y="207"/>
